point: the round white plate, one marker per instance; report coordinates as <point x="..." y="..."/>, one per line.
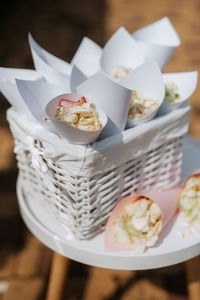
<point x="171" y="247"/>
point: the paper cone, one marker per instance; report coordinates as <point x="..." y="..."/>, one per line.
<point x="67" y="131"/>
<point x="186" y="83"/>
<point x="158" y="41"/>
<point x="9" y="88"/>
<point x="147" y="81"/>
<point x="194" y="173"/>
<point x="36" y="95"/>
<point x="87" y="57"/>
<point x="76" y="78"/>
<point x="51" y="67"/>
<point x="111" y="97"/>
<point x="189" y="200"/>
<point x="167" y="202"/>
<point x="121" y="50"/>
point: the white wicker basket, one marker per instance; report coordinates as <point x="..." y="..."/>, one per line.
<point x="81" y="184"/>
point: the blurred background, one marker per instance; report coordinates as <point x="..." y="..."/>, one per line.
<point x="59" y="27"/>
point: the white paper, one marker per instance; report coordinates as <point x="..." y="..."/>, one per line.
<point x="9" y="88"/>
<point x="36" y="95"/>
<point x="186" y="83"/>
<point x="51" y="67"/>
<point x="121" y="50"/>
<point x="147" y="81"/>
<point x="87" y="57"/>
<point x="158" y="41"/>
<point x="111" y="97"/>
<point x="76" y="78"/>
<point x="68" y="132"/>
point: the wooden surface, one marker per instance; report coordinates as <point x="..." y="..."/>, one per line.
<point x="192" y="268"/>
<point x="24" y="261"/>
<point x="57" y="280"/>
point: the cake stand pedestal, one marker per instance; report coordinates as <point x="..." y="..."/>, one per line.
<point x="171" y="248"/>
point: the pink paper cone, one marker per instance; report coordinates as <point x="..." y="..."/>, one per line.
<point x="195" y="173"/>
<point x="166" y="200"/>
<point x="190" y="211"/>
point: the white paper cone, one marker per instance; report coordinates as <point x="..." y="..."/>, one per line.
<point x="36" y="95"/>
<point x="9" y="88"/>
<point x="67" y="131"/>
<point x="158" y="41"/>
<point x="121" y="50"/>
<point x="87" y="57"/>
<point x="76" y="78"/>
<point x="111" y="97"/>
<point x="51" y="67"/>
<point x="186" y="83"/>
<point x="147" y="81"/>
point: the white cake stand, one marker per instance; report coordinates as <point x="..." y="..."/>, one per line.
<point x="171" y="247"/>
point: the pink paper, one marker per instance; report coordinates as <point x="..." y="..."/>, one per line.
<point x="166" y="200"/>
<point x="195" y="173"/>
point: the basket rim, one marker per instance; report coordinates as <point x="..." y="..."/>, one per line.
<point x="110" y="152"/>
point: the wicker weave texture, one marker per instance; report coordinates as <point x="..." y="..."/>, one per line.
<point x="83" y="203"/>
